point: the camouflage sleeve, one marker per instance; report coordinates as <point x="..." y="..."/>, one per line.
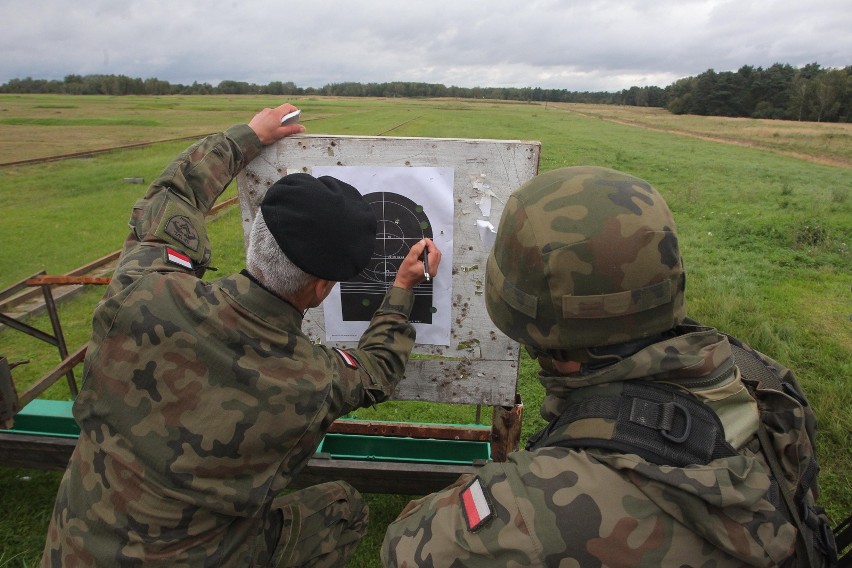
<point x="478" y="521"/>
<point x="173" y="209"/>
<point x="370" y="372"/>
<point x="554" y="507"/>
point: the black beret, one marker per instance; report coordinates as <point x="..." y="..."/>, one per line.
<point x="323" y="225"/>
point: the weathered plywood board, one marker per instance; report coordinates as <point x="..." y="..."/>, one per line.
<point x="481" y="364"/>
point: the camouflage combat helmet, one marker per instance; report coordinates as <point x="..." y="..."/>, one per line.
<point x="585" y="256"/>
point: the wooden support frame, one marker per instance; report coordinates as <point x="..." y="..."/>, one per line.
<point x="10" y="297"/>
<point x="10" y="401"/>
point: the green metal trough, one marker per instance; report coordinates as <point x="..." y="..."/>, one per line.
<point x="53" y="418"/>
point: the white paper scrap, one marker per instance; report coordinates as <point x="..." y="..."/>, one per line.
<point x="487" y="233"/>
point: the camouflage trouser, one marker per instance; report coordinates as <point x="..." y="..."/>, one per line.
<point x="317" y="526"/>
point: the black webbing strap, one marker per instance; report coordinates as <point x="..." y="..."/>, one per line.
<point x="661" y="424"/>
<point x="813" y="532"/>
<point x="843" y="537"/>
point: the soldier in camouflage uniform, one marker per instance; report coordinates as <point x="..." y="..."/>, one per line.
<point x="202" y="400"/>
<point x="586" y="273"/>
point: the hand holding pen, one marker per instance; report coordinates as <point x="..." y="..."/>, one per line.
<point x="421" y="263"/>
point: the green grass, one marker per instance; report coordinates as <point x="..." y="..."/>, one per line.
<point x="765" y="238"/>
<point x="27" y="497"/>
<point x="78" y="122"/>
<point x="57" y="214"/>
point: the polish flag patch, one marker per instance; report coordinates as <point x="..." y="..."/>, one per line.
<point x="348" y="359"/>
<point x="474" y="503"/>
<point x="178" y="258"/>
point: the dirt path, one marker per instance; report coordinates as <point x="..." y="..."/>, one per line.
<point x="823" y="160"/>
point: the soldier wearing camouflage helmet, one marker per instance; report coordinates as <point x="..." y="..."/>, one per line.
<point x="202" y="399"/>
<point x="652" y="455"/>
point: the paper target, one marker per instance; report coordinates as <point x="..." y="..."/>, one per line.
<point x="401" y="223"/>
<point x="409" y="203"/>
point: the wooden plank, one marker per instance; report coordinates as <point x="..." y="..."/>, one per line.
<point x="17" y="294"/>
<point x="51" y="377"/>
<point x="481" y="364"/>
<point x="222" y="205"/>
<point x="411" y="430"/>
<point x="95" y="264"/>
<point x="26" y="296"/>
<point x="38" y="452"/>
<point x="66" y="280"/>
<point x="383" y="477"/>
<point x="7" y="293"/>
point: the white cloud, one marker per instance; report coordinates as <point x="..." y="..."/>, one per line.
<point x="578" y="45"/>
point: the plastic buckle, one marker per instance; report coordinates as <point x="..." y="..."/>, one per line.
<point x="686" y="429"/>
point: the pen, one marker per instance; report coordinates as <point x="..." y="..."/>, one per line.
<point x="426" y="263"/>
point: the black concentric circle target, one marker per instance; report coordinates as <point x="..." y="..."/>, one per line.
<point x="401" y="223"/>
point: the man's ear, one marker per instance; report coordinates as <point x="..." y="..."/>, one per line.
<point x="322" y="288"/>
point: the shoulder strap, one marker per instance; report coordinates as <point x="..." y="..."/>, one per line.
<point x="660" y="423"/>
<point x="843" y="537"/>
<point x="813" y="530"/>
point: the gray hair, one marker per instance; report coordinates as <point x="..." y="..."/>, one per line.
<point x="270" y="266"/>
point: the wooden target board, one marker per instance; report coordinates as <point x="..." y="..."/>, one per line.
<point x="480" y="364"/>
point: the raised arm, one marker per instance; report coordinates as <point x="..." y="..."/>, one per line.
<point x="173" y="209"/>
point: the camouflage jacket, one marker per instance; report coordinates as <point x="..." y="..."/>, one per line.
<point x="555" y="506"/>
<point x="201" y="399"/>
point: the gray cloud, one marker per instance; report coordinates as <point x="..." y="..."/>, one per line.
<point x="576" y="45"/>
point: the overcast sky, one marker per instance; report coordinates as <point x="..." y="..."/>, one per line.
<point x="579" y="45"/>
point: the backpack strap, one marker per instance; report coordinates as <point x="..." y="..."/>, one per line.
<point x="813" y="529"/>
<point x="662" y="424"/>
<point x="843" y="538"/>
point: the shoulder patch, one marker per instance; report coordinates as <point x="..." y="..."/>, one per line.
<point x="475" y="504"/>
<point x="348" y="359"/>
<point x="176" y="257"/>
<point x="180" y="228"/>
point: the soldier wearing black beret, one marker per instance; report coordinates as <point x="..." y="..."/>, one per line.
<point x="203" y="399"/>
<point x="323" y="225"/>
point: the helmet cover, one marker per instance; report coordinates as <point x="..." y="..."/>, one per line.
<point x="585" y="256"/>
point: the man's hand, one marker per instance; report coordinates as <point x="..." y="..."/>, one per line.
<point x="267" y="124"/>
<point x="412" y="271"/>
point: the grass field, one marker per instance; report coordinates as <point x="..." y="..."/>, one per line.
<point x="764" y="218"/>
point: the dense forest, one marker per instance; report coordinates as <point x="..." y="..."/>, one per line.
<point x="809" y="93"/>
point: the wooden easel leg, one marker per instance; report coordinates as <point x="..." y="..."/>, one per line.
<point x="9" y="405"/>
<point x="506" y="429"/>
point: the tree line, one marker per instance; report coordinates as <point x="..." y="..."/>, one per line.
<point x="118" y="85"/>
<point x="809" y="93"/>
